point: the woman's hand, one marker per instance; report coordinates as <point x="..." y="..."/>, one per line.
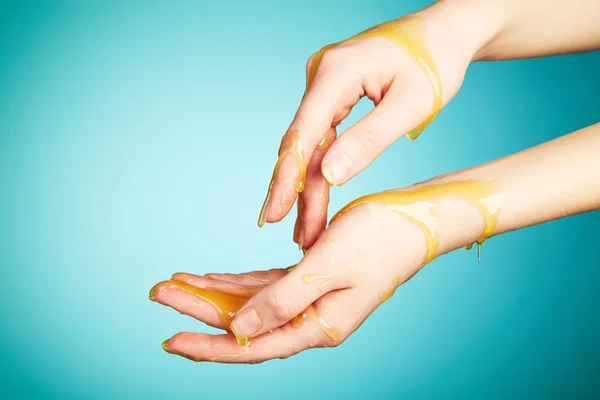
<point x="354" y="266"/>
<point x="338" y="78"/>
<point x="454" y="34"/>
<point x="368" y="251"/>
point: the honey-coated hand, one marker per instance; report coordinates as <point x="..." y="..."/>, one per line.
<point x="410" y="68"/>
<point x="375" y="244"/>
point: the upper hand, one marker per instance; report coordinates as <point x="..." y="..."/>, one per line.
<point x="383" y="71"/>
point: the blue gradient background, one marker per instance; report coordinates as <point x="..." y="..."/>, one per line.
<point x="137" y="139"/>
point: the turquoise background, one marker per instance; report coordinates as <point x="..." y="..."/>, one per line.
<point x="137" y="139"/>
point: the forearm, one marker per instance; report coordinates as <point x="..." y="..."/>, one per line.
<point x="550" y="181"/>
<point x="512" y="29"/>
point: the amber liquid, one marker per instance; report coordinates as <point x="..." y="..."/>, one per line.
<point x="227" y="302"/>
<point x="408" y="33"/>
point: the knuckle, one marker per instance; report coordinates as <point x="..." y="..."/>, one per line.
<point x="326" y="57"/>
<point x="368" y="138"/>
<point x="331" y="56"/>
<point x="279" y="306"/>
<point x="310" y="61"/>
<point x="329" y="342"/>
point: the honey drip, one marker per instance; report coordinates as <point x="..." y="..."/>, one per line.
<point x="290" y="268"/>
<point x="298" y="220"/>
<point x="419" y="206"/>
<point x="290" y="146"/>
<point x="388" y="295"/>
<point x="227" y="301"/>
<point x="408" y="33"/>
<point x="327" y="140"/>
<point x="312" y="314"/>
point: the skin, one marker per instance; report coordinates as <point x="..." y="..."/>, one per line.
<point x="370" y="250"/>
<point x="457" y="33"/>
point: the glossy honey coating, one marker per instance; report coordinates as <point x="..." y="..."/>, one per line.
<point x="408" y="33"/>
<point x="321" y="280"/>
<point x="327" y="140"/>
<point x="227" y="301"/>
<point x="419" y="206"/>
<point x="291" y="146"/>
<point x="312" y="314"/>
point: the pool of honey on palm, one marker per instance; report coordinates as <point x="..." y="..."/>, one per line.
<point x="228" y="301"/>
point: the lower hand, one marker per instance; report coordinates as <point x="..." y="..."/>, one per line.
<point x="355" y="265"/>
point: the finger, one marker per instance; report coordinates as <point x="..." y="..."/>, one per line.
<point x="278" y="303"/>
<point x="334" y="91"/>
<point x="223" y="286"/>
<point x="280" y="343"/>
<point x="297" y="226"/>
<point x="211" y="301"/>
<point x="400" y="111"/>
<point x="312" y="218"/>
<point x="187" y="304"/>
<point x="251" y="278"/>
<point x="326" y="324"/>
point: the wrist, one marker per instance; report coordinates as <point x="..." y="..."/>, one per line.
<point x="464" y="27"/>
<point x="458" y="211"/>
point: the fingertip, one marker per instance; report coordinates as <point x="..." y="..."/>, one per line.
<point x="181" y="276"/>
<point x="284" y="191"/>
<point x="338" y="168"/>
<point x="262" y="216"/>
<point x="327" y="174"/>
<point x="165" y="346"/>
<point x="246" y="324"/>
<point x="156" y="290"/>
<point x="184" y="344"/>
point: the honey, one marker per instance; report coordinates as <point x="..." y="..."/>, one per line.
<point x="419" y="206"/>
<point x="227" y="301"/>
<point x="322" y="280"/>
<point x="408" y="33"/>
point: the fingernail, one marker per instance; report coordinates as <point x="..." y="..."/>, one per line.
<point x="152" y="294"/>
<point x="327" y="174"/>
<point x="245" y="325"/>
<point x="165" y="346"/>
<point x="338" y="168"/>
<point x="262" y="217"/>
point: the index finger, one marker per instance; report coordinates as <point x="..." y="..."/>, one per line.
<point x="328" y="99"/>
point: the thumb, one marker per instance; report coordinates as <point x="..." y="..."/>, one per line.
<point x="399" y="112"/>
<point x="287" y="298"/>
